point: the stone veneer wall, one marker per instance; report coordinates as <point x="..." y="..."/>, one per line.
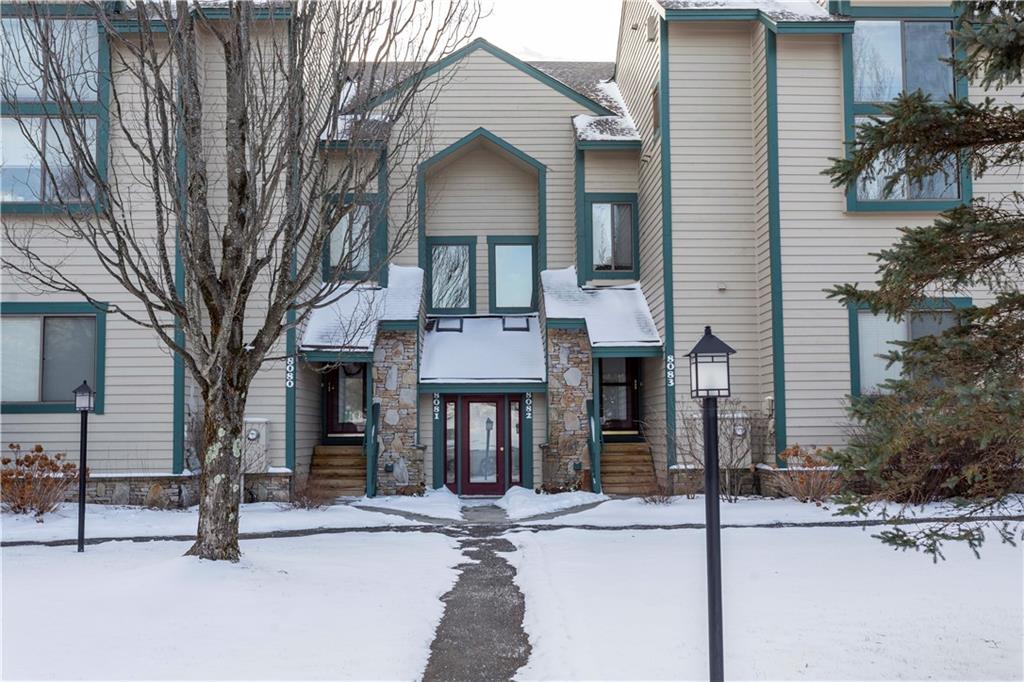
<point x="394" y="386"/>
<point x="174" y="491"/>
<point x="569" y="387"/>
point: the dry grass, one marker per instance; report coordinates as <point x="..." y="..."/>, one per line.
<point x="809" y="476"/>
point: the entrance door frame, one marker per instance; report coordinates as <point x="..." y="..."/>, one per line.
<point x="633" y="368"/>
<point x="500" y="484"/>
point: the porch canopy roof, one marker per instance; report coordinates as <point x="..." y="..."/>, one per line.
<point x="491" y="349"/>
<point x="616" y="316"/>
<point x="349" y="321"/>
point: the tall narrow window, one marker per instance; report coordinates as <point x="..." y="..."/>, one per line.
<point x="512" y="273"/>
<point x="451" y="276"/>
<point x="612" y="237"/>
<point x="515" y="439"/>
<point x="350" y="241"/>
<point x="450" y="451"/>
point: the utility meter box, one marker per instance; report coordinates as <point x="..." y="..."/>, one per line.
<point x="255" y="437"/>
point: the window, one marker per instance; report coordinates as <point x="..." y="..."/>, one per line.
<point x="875" y="336"/>
<point x="515" y="442"/>
<point x="350" y="241"/>
<point x="885" y="58"/>
<point x="38" y="162"/>
<point x="890" y="57"/>
<point x="452" y="271"/>
<point x="512" y="273"/>
<point x="656" y="109"/>
<point x="612" y="233"/>
<point x="45" y="355"/>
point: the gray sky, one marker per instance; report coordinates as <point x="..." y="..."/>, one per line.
<point x="553" y="30"/>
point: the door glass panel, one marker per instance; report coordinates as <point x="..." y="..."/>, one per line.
<point x="483" y="432"/>
<point x="514" y="438"/>
<point x="69" y="356"/>
<point x="449" y="445"/>
<point x="613" y="370"/>
<point x="351" y="399"/>
<point x="614" y="403"/>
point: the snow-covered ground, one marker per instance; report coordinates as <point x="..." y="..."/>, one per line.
<point x="357" y="606"/>
<point x="520" y="503"/>
<point x="107" y="521"/>
<point x="439" y="504"/>
<point x="746" y="511"/>
<point x="799" y="603"/>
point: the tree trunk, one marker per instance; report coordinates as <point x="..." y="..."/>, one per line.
<point x="219" y="482"/>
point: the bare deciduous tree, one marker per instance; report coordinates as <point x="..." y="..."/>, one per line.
<point x="240" y="134"/>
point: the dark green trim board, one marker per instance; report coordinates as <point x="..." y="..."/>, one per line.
<point x="845" y="7"/>
<point x="627" y="352"/>
<point x="333" y="356"/>
<point x="775" y="245"/>
<point x="399" y="325"/>
<point x="666" y="249"/>
<point x="437" y="420"/>
<point x="566" y="323"/>
<point x="481" y="44"/>
<point x="753" y="14"/>
<point x="526" y="441"/>
<point x="580" y="189"/>
<point x="853" y="109"/>
<point x="495" y="388"/>
<point x="498" y="240"/>
<point x="608" y="145"/>
<point x="428" y="269"/>
<point x="178" y="437"/>
<point x="99" y="310"/>
<point x="853" y="326"/>
<point x="484" y="134"/>
<point x="585" y="261"/>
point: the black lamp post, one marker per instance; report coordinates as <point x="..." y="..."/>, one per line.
<point x="709" y="381"/>
<point x="85" y="401"/>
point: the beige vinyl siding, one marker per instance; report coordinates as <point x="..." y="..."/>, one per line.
<point x="713" y="198"/>
<point x="611" y="171"/>
<point x="822" y="245"/>
<point x="483" y="91"/>
<point x="308" y="420"/>
<point x="762" y="262"/>
<point x="135" y="432"/>
<point x="637" y="73"/>
<point x="479" y="193"/>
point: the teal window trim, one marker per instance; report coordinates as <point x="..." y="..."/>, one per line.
<point x="853" y="313"/>
<point x="481" y="44"/>
<point x="491" y="388"/>
<point x="585" y="262"/>
<point x="429" y="270"/>
<point x="378" y="239"/>
<point x="99" y="310"/>
<point x="497" y="240"/>
<point x="100" y="110"/>
<point x="483" y="133"/>
<point x="853" y="109"/>
<point x="846" y="8"/>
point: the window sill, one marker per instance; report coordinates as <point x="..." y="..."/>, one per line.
<point x="903" y="206"/>
<point x="40" y="208"/>
<point x="602" y="278"/>
<point x="43" y="408"/>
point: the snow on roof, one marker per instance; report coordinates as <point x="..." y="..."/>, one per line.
<point x="589" y="127"/>
<point x="777" y="10"/>
<point x="349" y="321"/>
<point x="483" y="351"/>
<point x="615" y="315"/>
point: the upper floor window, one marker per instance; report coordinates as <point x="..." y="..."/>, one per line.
<point x="46" y="355"/>
<point x="890" y="57"/>
<point x="40" y="148"/>
<point x="350" y="241"/>
<point x="451" y="263"/>
<point x="876" y="337"/>
<point x="512" y="273"/>
<point x="612" y="235"/>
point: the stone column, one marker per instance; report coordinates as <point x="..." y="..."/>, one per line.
<point x="569" y="387"/>
<point x="394" y="387"/>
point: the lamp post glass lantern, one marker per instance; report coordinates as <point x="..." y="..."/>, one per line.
<point x="709" y="381"/>
<point x="85" y="402"/>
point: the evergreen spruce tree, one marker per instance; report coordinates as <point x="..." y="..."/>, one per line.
<point x="952" y="424"/>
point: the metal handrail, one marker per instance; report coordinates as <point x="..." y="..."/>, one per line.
<point x="594" y="441"/>
<point x="370" y="449"/>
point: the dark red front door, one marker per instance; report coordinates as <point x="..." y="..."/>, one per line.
<point x="483" y="445"/>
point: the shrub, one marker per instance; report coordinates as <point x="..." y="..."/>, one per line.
<point x="34" y="483"/>
<point x="660" y="495"/>
<point x="310" y="496"/>
<point x="809" y="476"/>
